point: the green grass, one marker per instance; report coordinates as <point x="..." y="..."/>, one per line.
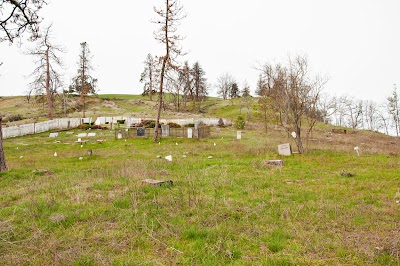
<point x="230" y="209"/>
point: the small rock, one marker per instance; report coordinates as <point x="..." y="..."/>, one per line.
<point x="55" y="154"/>
<point x="80" y="158"/>
<point x="159" y="156"/>
<point x="209" y="157"/>
<point x="169" y="158"/>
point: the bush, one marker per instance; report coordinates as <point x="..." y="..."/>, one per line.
<point x="150" y="124"/>
<point x="190" y="125"/>
<point x="12" y="118"/>
<point x="221" y="122"/>
<point x="84" y="126"/>
<point x="122" y="121"/>
<point x="174" y="125"/>
<point x="240" y="123"/>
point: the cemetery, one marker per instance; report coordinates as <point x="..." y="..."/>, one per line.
<point x="191" y="193"/>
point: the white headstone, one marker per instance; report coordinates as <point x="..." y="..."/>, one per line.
<point x="53" y="135"/>
<point x="92" y="134"/>
<point x="165" y="130"/>
<point x="119" y="135"/>
<point x="284" y="149"/>
<point x="357" y="149"/>
<point x="81" y="135"/>
<point x="294" y="135"/>
<point x="190" y="133"/>
<point x="169" y="158"/>
<point x="239" y="135"/>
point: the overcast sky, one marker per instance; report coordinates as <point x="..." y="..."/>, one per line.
<point x="356" y="43"/>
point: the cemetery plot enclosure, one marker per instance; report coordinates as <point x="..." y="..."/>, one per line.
<point x="164" y="132"/>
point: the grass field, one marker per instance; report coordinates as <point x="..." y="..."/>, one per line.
<point x="230" y="209"/>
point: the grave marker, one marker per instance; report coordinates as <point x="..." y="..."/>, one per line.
<point x="190" y="133"/>
<point x="81" y="135"/>
<point x="284" y="149"/>
<point x="53" y="135"/>
<point x="140" y="131"/>
<point x="92" y="134"/>
<point x="239" y="135"/>
<point x="165" y="130"/>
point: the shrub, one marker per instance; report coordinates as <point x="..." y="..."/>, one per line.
<point x="84" y="126"/>
<point x="150" y="124"/>
<point x="240" y="123"/>
<point x="174" y="125"/>
<point x="121" y="121"/>
<point x="12" y="118"/>
<point x="190" y="125"/>
<point x="221" y="122"/>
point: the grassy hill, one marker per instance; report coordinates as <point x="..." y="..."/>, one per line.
<point x="226" y="206"/>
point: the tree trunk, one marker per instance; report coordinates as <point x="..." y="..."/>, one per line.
<point x="151" y="83"/>
<point x="160" y="100"/>
<point x="48" y="93"/>
<point x="3" y="164"/>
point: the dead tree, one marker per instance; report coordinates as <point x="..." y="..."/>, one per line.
<point x="3" y="164"/>
<point x="169" y="20"/>
<point x="48" y="65"/>
<point x="149" y="75"/>
<point x="84" y="83"/>
<point x="18" y="16"/>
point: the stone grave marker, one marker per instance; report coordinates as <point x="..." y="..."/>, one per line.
<point x="119" y="136"/>
<point x="190" y="133"/>
<point x="81" y="135"/>
<point x="92" y="134"/>
<point x="165" y="130"/>
<point x="53" y="135"/>
<point x="284" y="149"/>
<point x="239" y="135"/>
<point x="140" y="131"/>
<point x="196" y="129"/>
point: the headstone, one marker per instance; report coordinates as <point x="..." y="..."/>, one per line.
<point x="273" y="162"/>
<point x="294" y="135"/>
<point x="53" y="135"/>
<point x="119" y="136"/>
<point x="239" y="135"/>
<point x="92" y="134"/>
<point x="81" y="135"/>
<point x="168" y="158"/>
<point x="196" y="129"/>
<point x="140" y="131"/>
<point x="190" y="133"/>
<point x="69" y="133"/>
<point x="165" y="130"/>
<point x="357" y="149"/>
<point x="284" y="149"/>
<point x="157" y="182"/>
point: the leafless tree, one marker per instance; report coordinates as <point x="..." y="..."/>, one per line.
<point x="224" y="84"/>
<point x="3" y="164"/>
<point x="149" y="76"/>
<point x="393" y="103"/>
<point x="294" y="95"/>
<point x="47" y="74"/>
<point x="245" y="99"/>
<point x="18" y="16"/>
<point x="169" y="18"/>
<point x="84" y="83"/>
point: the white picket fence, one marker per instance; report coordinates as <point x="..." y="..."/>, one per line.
<point x="65" y="123"/>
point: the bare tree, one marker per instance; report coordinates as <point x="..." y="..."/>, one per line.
<point x="393" y="103"/>
<point x="185" y="79"/>
<point x="84" y="83"/>
<point x="18" y="16"/>
<point x="149" y="76"/>
<point x="48" y="64"/>
<point x="294" y="95"/>
<point x="169" y="20"/>
<point x="245" y="100"/>
<point x="3" y="164"/>
<point x="224" y="85"/>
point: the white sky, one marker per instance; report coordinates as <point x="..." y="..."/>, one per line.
<point x="356" y="43"/>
